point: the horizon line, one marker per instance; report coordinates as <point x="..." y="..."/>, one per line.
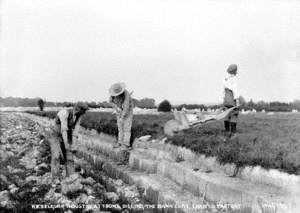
<point x="174" y="102"/>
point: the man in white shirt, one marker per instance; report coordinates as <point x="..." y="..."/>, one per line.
<point x="231" y="98"/>
<point x="65" y="123"/>
<point x="122" y="102"/>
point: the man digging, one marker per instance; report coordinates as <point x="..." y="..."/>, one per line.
<point x="65" y="123"/>
<point x="122" y="102"/>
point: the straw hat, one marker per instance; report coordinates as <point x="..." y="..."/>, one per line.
<point x="117" y="89"/>
<point x="232" y="69"/>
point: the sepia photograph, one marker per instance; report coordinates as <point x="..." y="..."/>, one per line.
<point x="161" y="106"/>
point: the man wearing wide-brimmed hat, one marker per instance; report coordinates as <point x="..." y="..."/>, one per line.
<point x="231" y="98"/>
<point x="65" y="122"/>
<point x="122" y="102"/>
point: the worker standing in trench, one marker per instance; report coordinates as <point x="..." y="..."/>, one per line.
<point x="231" y="98"/>
<point x="65" y="123"/>
<point x="122" y="102"/>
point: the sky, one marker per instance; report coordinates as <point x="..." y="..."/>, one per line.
<point x="71" y="50"/>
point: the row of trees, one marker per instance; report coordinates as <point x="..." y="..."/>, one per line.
<point x="33" y="102"/>
<point x="29" y="102"/>
<point x="274" y="106"/>
<point x="149" y="103"/>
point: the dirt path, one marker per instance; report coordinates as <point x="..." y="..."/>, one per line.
<point x="25" y="178"/>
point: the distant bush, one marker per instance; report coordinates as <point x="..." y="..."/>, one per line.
<point x="164" y="106"/>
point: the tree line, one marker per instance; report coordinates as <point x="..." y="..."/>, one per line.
<point x="149" y="103"/>
<point x="273" y="106"/>
<point x="34" y="102"/>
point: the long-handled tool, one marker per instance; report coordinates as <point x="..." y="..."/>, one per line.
<point x="181" y="121"/>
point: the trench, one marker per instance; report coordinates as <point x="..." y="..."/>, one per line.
<point x="148" y="192"/>
<point x="107" y="170"/>
<point x="149" y="179"/>
<point x="26" y="184"/>
<point x="130" y="197"/>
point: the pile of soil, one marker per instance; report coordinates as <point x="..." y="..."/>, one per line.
<point x="25" y="178"/>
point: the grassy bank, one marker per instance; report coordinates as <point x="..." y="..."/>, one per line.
<point x="262" y="140"/>
<point x="271" y="141"/>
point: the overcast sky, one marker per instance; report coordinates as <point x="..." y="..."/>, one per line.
<point x="69" y="50"/>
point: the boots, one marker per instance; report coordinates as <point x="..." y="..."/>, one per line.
<point x="230" y="128"/>
<point x="227" y="126"/>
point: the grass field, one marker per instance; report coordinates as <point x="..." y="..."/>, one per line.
<point x="271" y="141"/>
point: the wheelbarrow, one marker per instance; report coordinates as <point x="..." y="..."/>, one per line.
<point x="181" y="121"/>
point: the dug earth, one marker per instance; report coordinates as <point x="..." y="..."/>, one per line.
<point x="26" y="184"/>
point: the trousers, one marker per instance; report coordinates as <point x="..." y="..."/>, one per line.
<point x="233" y="116"/>
<point x="67" y="155"/>
<point x="124" y="129"/>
